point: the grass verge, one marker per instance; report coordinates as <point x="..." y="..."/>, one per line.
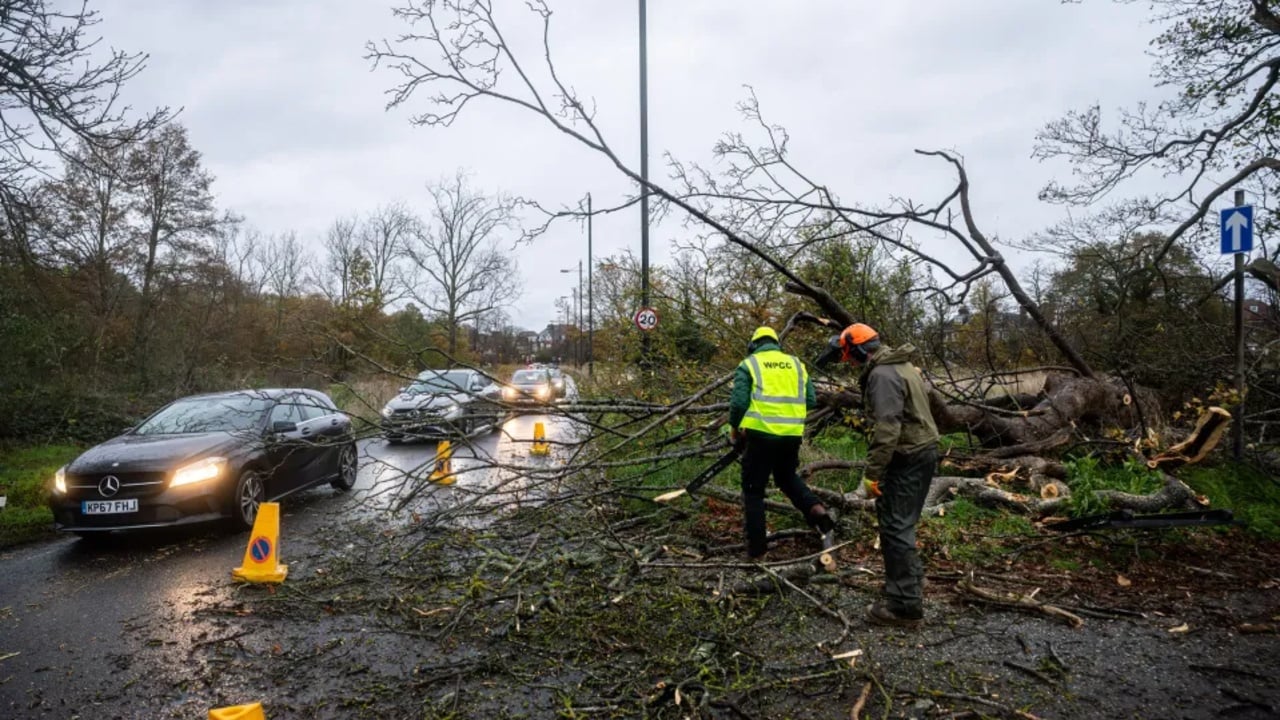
<point x="25" y="474"/>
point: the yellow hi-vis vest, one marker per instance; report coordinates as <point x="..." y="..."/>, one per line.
<point x="777" y="394"/>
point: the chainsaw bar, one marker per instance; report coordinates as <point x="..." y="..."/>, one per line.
<point x="1127" y="519"/>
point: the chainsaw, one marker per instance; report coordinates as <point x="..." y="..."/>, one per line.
<point x="707" y="474"/>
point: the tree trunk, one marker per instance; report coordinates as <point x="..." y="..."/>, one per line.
<point x="141" y="333"/>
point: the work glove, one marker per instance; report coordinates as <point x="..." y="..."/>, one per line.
<point x="872" y="486"/>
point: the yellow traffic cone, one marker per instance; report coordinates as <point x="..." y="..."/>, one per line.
<point x="443" y="471"/>
<point x="252" y="711"/>
<point x="540" y="445"/>
<point x="262" y="556"/>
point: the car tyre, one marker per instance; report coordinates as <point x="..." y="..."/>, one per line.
<point x="348" y="467"/>
<point x="249" y="494"/>
<point x="391" y="439"/>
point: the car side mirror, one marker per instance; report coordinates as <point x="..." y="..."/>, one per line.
<point x="280" y="427"/>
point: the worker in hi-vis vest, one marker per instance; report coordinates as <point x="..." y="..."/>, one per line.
<point x="772" y="394"/>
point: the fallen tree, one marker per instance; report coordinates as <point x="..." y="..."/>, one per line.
<point x="458" y="53"/>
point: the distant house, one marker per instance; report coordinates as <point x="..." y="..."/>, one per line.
<point x="527" y="342"/>
<point x="1260" y="312"/>
<point x="555" y="335"/>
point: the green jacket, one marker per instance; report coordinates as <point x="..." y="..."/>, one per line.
<point x="740" y="400"/>
<point x="897" y="402"/>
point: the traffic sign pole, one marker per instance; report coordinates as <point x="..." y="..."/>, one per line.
<point x="1232" y="225"/>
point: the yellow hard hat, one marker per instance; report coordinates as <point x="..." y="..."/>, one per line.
<point x="764" y="331"/>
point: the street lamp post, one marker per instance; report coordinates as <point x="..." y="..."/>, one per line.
<point x="591" y="325"/>
<point x="577" y="299"/>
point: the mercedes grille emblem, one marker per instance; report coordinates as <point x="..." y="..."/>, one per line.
<point x="109" y="485"/>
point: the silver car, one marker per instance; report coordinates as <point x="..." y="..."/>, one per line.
<point x="442" y="404"/>
<point x="529" y="386"/>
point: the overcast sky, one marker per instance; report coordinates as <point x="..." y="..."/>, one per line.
<point x="291" y="119"/>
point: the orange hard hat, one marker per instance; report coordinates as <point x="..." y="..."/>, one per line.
<point x="856" y="341"/>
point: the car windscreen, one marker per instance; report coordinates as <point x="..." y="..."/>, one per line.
<point x="529" y="377"/>
<point x="228" y="413"/>
<point x="441" y="382"/>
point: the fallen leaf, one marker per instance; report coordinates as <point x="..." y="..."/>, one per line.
<point x="1181" y="628"/>
<point x="276" y="649"/>
<point x="1123" y="581"/>
<point x="942" y="510"/>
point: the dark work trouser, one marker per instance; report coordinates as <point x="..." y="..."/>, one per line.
<point x="767" y="454"/>
<point x="904" y="487"/>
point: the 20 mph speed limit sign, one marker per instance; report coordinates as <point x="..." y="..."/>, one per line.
<point x="646" y="318"/>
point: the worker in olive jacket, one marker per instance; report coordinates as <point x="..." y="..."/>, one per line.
<point x="902" y="454"/>
<point x="772" y="394"/>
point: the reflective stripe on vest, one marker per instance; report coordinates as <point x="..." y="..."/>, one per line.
<point x="777" y="394"/>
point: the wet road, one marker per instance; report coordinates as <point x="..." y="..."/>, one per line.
<point x="73" y="614"/>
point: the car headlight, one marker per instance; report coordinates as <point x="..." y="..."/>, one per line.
<point x="60" y="480"/>
<point x="386" y="411"/>
<point x="543" y="391"/>
<point x="509" y="393"/>
<point x="451" y="411"/>
<point x="199" y="471"/>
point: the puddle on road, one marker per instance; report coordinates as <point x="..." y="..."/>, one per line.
<point x="494" y="473"/>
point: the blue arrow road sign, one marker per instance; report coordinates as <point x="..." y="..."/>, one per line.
<point x="1237" y="230"/>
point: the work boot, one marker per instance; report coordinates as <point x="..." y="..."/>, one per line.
<point x="879" y="614"/>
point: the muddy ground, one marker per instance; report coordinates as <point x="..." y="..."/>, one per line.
<point x="579" y="609"/>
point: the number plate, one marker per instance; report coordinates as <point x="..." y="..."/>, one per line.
<point x="108" y="507"/>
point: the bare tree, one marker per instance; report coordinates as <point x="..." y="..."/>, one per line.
<point x="89" y="229"/>
<point x="341" y="251"/>
<point x="174" y="205"/>
<point x="58" y="86"/>
<point x="1217" y="131"/>
<point x="285" y="266"/>
<point x="384" y="238"/>
<point x="466" y="272"/>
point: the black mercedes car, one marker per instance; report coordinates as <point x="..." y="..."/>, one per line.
<point x="207" y="457"/>
<point x="442" y="404"/>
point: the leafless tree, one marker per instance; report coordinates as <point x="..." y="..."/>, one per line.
<point x="466" y="273"/>
<point x="384" y="238"/>
<point x="1214" y="133"/>
<point x="341" y="250"/>
<point x="284" y="263"/>
<point x="59" y="87"/>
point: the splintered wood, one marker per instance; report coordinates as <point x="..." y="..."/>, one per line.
<point x="1210" y="427"/>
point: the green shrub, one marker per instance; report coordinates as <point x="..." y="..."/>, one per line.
<point x="1088" y="474"/>
<point x="57" y="414"/>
